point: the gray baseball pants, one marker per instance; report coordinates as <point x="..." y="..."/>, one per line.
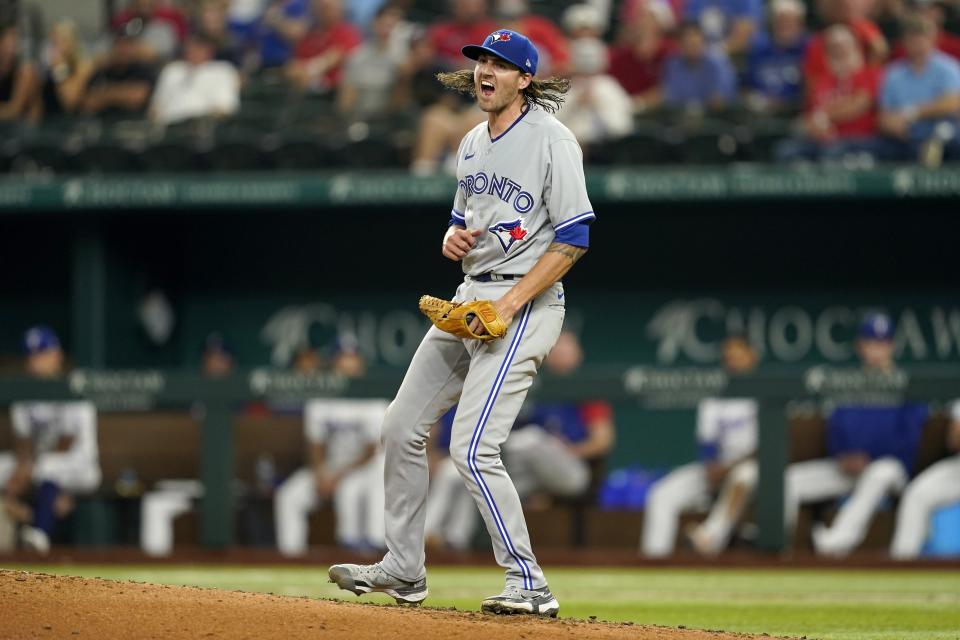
<point x="489" y="380"/>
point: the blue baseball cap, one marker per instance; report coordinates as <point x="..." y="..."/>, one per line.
<point x="509" y="45"/>
<point x="876" y="326"/>
<point x="216" y="342"/>
<point x="39" y="339"/>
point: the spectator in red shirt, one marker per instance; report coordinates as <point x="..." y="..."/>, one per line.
<point x="319" y="56"/>
<point x="630" y="9"/>
<point x="158" y="27"/>
<point x="841" y="112"/>
<point x="937" y="11"/>
<point x="549" y="40"/>
<point x="469" y="23"/>
<point x="852" y="14"/>
<point x="637" y="64"/>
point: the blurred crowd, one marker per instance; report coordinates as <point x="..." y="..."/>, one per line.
<point x="852" y="81"/>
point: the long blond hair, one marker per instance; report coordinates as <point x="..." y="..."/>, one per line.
<point x="547" y="94"/>
<point x="67" y="30"/>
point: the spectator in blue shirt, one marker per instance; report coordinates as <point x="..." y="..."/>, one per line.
<point x="361" y="13"/>
<point x="282" y="25"/>
<point x="920" y="96"/>
<point x="774" y="73"/>
<point x="695" y="77"/>
<point x="727" y="23"/>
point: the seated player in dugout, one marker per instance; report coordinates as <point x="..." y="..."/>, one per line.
<point x="725" y="476"/>
<point x="558" y="449"/>
<point x="345" y="467"/>
<point x="217" y="359"/>
<point x="871" y="447"/>
<point x="452" y="515"/>
<point x="55" y="453"/>
<point x="936" y="487"/>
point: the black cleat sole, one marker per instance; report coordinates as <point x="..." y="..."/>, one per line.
<point x="500" y="609"/>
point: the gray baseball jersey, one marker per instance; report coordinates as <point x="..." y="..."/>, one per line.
<point x="76" y="469"/>
<point x="525" y="188"/>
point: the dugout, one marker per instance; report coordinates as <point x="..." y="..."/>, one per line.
<point x="791" y="257"/>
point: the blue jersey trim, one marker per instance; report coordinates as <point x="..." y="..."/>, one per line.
<point x="709" y="451"/>
<point x="589" y="215"/>
<point x="475" y="442"/>
<point x="522" y="114"/>
<point x="456" y="214"/>
<point x="577" y="235"/>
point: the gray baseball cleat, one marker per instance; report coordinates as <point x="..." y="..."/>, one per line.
<point x="366" y="578"/>
<point x="538" y="602"/>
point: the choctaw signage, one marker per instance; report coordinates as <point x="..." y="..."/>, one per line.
<point x="692" y="330"/>
<point x="661" y="331"/>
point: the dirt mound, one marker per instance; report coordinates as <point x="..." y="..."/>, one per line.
<point x="37" y="605"/>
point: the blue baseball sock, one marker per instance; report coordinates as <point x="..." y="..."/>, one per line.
<point x="43" y="516"/>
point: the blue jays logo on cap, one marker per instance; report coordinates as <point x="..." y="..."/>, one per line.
<point x="508" y="45"/>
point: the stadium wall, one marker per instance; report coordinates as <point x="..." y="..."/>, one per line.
<point x="675" y="262"/>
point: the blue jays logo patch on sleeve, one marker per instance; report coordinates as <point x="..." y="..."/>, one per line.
<point x="509" y="233"/>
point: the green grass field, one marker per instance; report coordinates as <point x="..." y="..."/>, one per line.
<point x="829" y="605"/>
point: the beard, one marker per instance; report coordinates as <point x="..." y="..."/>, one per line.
<point x="500" y="100"/>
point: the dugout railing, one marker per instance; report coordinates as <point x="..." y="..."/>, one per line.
<point x="652" y="387"/>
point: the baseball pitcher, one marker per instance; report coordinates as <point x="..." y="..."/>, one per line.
<point x="519" y="223"/>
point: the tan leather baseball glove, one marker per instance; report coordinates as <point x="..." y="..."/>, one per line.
<point x="455" y="317"/>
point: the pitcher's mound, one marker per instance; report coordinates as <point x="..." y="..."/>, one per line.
<point x="37" y="605"/>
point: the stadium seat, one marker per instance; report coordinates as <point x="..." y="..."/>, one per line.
<point x="709" y="142"/>
<point x="105" y="156"/>
<point x="762" y="138"/>
<point x="262" y="116"/>
<point x="269" y="84"/>
<point x="312" y="111"/>
<point x="301" y="153"/>
<point x="35" y="155"/>
<point x="375" y="153"/>
<point x="236" y="154"/>
<point x="44" y="148"/>
<point x="710" y="148"/>
<point x="170" y="155"/>
<point x="642" y="147"/>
